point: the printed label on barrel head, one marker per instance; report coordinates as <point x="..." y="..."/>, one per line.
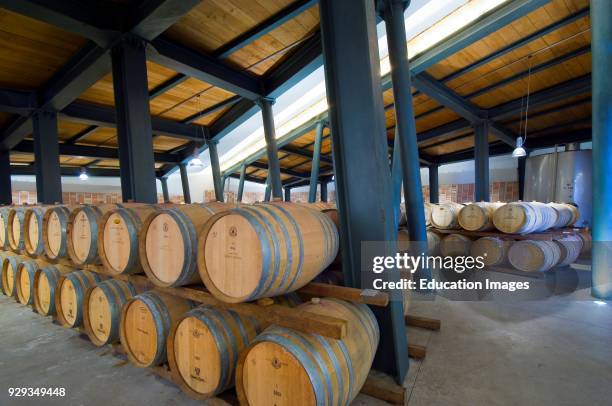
<point x="116" y="242"/>
<point x="197" y="356"/>
<point x="81" y="236"/>
<point x="68" y="300"/>
<point x="54" y="233"/>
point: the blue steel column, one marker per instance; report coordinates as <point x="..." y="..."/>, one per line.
<point x="46" y="158"/>
<point x="601" y="46"/>
<point x="521" y="176"/>
<point x="316" y="161"/>
<point x="324" y="191"/>
<point x="241" y="182"/>
<point x="185" y="183"/>
<point x="434" y="185"/>
<point x="137" y="166"/>
<point x="216" y="169"/>
<point x="6" y="196"/>
<point x="164" y="185"/>
<point x="271" y="148"/>
<point x="363" y="184"/>
<point x="268" y="191"/>
<point x="481" y="161"/>
<point x="396" y="179"/>
<point x="287" y="194"/>
<point x="393" y="14"/>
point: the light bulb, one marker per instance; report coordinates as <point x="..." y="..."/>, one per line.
<point x="519" y="151"/>
<point x="83" y="175"/>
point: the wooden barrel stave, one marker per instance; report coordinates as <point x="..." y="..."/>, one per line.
<point x="82" y="232"/>
<point x="55" y="224"/>
<point x="286" y="367"/>
<point x="15" y="229"/>
<point x="453" y="245"/>
<point x="24" y="279"/>
<point x="9" y="274"/>
<point x="495" y="248"/>
<point x="534" y="255"/>
<point x="570" y="248"/>
<point x="203" y="349"/>
<point x="444" y="215"/>
<point x="102" y="310"/>
<point x="145" y="323"/>
<point x="287" y="245"/>
<point x="477" y="216"/>
<point x="33" y="231"/>
<point x="4" y="242"/>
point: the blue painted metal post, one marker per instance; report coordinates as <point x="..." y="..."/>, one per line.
<point x="481" y="161"/>
<point x="324" y="191"/>
<point x="164" y="185"/>
<point x="521" y="176"/>
<point x="241" y="182"/>
<point x="363" y="183"/>
<point x="271" y="148"/>
<point x="316" y="161"/>
<point x="46" y="158"/>
<point x="185" y="183"/>
<point x="434" y="185"/>
<point x="287" y="194"/>
<point x="393" y="14"/>
<point x="268" y="191"/>
<point x="601" y="45"/>
<point x="216" y="169"/>
<point x="137" y="165"/>
<point x="396" y="179"/>
<point x="6" y="196"/>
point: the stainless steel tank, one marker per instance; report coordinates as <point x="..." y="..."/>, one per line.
<point x="562" y="177"/>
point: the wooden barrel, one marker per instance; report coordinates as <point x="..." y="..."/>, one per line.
<point x="24" y="281"/>
<point x="567" y="214"/>
<point x="102" y="310"/>
<point x="82" y="232"/>
<point x="9" y="274"/>
<point x="433" y="243"/>
<point x="45" y="282"/>
<point x="570" y="247"/>
<point x="168" y="247"/>
<point x="534" y="255"/>
<point x="493" y="250"/>
<point x="264" y="250"/>
<point x="286" y="367"/>
<point x="118" y="232"/>
<point x="145" y="323"/>
<point x="4" y="242"/>
<point x="15" y="228"/>
<point x="69" y="296"/>
<point x="444" y="216"/>
<point x="33" y="231"/>
<point x="455" y="245"/>
<point x="587" y="242"/>
<point x="329" y="209"/>
<point x="524" y="217"/>
<point x="55" y="224"/>
<point x="203" y="349"/>
<point x="477" y="216"/>
<point x="403" y="219"/>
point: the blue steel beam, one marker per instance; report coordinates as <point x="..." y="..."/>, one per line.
<point x="150" y="18"/>
<point x="304" y="153"/>
<point x="212" y="109"/>
<point x="20" y="102"/>
<point x="481" y="162"/>
<point x="269" y="24"/>
<point x="67" y="171"/>
<point x="434" y="186"/>
<point x="185" y="183"/>
<point x="167" y="85"/>
<point x="6" y="196"/>
<point x="241" y="183"/>
<point x="316" y="160"/>
<point x="164" y="186"/>
<point x="46" y="158"/>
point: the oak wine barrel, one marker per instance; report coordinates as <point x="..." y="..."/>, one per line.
<point x="169" y="243"/>
<point x="102" y="310"/>
<point x="55" y="224"/>
<point x="264" y="250"/>
<point x="45" y="283"/>
<point x="329" y="209"/>
<point x="444" y="215"/>
<point x="493" y="250"/>
<point x="4" y="242"/>
<point x="570" y="247"/>
<point x="478" y="216"/>
<point x="24" y="280"/>
<point x="455" y="245"/>
<point x="33" y="231"/>
<point x="524" y="217"/>
<point x="534" y="255"/>
<point x="204" y="346"/>
<point x="15" y="228"/>
<point x="69" y="296"/>
<point x="118" y="232"/>
<point x="284" y="367"/>
<point x="433" y="243"/>
<point x="145" y="323"/>
<point x="82" y="232"/>
<point x="567" y="214"/>
<point x="9" y="274"/>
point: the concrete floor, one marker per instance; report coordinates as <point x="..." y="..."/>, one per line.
<point x="555" y="352"/>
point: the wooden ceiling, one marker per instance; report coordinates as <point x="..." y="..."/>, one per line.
<point x="33" y="52"/>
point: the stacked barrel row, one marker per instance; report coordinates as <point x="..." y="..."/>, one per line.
<point x="287" y="245"/>
<point x="510" y="218"/>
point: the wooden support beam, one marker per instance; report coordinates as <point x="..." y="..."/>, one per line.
<point x="423" y="322"/>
